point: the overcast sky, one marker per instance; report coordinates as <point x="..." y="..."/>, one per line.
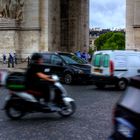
<point x="107" y="13"/>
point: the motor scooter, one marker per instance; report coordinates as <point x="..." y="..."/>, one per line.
<point x="19" y="103"/>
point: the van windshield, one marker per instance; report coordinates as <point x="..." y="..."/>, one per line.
<point x="101" y="60"/>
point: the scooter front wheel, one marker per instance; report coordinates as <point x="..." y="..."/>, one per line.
<point x="14" y="112"/>
<point x="68" y="110"/>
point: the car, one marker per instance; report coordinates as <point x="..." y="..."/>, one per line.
<point x="126" y="120"/>
<point x="67" y="66"/>
<point x="114" y="67"/>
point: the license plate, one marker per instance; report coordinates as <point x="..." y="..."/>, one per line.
<point x="98" y="70"/>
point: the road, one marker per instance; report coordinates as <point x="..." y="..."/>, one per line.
<point x="92" y="120"/>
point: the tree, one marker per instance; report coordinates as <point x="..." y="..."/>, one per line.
<point x="111" y="41"/>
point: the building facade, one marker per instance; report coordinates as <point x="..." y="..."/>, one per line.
<point x="28" y="26"/>
<point x="133" y="24"/>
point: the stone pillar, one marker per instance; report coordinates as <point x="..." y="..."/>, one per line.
<point x="129" y="24"/>
<point x="84" y="13"/>
<point x="74" y="25"/>
<point x="53" y="25"/>
<point x="64" y="25"/>
<point x="43" y="25"/>
<point x="50" y="25"/>
<point x="133" y="24"/>
<point x="29" y="32"/>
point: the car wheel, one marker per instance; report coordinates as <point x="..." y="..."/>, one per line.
<point x="68" y="79"/>
<point x="100" y="85"/>
<point x="122" y="84"/>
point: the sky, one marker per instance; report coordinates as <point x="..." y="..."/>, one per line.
<point x="107" y="14"/>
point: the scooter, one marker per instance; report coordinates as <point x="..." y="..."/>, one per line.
<point x="19" y="103"/>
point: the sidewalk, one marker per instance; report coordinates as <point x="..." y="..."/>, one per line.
<point x="19" y="67"/>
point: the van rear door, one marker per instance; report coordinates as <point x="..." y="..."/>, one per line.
<point x="100" y="64"/>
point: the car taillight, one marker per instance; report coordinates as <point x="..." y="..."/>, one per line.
<point x="111" y="68"/>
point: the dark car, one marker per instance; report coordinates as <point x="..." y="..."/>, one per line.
<point x="127" y="113"/>
<point x="67" y="66"/>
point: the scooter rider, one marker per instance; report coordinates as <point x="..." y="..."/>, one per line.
<point x="36" y="79"/>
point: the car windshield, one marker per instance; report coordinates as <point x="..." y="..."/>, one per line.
<point x="72" y="59"/>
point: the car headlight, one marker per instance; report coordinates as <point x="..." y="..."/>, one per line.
<point x="80" y="71"/>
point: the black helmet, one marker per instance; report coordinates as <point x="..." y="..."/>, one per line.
<point x="35" y="57"/>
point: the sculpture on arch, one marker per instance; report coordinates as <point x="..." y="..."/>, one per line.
<point x="12" y="9"/>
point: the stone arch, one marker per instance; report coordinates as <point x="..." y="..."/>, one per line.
<point x="47" y="25"/>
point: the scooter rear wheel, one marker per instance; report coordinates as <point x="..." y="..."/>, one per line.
<point x="68" y="110"/>
<point x="14" y="112"/>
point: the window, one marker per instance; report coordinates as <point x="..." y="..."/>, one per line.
<point x="72" y="59"/>
<point x="105" y="60"/>
<point x="101" y="60"/>
<point x="56" y="60"/>
<point x="97" y="60"/>
<point x="47" y="58"/>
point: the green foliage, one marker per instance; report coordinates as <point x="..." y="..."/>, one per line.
<point x="111" y="41"/>
<point x="91" y="51"/>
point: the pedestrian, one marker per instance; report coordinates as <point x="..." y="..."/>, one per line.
<point x="15" y="58"/>
<point x="10" y="60"/>
<point x="4" y="58"/>
<point x="78" y="54"/>
<point x="86" y="56"/>
<point x="28" y="60"/>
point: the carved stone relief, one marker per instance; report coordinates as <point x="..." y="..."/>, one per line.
<point x="12" y="9"/>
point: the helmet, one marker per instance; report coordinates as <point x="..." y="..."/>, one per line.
<point x="35" y="57"/>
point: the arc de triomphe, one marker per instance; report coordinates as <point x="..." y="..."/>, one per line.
<point x="28" y="26"/>
<point x="133" y="24"/>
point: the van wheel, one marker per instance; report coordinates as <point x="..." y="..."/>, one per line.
<point x="99" y="85"/>
<point x="68" y="79"/>
<point x="122" y="84"/>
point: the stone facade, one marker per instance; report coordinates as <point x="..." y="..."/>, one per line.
<point x="43" y="25"/>
<point x="133" y="24"/>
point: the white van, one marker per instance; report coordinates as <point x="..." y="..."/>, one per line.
<point x="115" y="67"/>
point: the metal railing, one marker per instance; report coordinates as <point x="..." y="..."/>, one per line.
<point x="15" y="61"/>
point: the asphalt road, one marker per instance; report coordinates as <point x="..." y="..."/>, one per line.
<point x="92" y="120"/>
